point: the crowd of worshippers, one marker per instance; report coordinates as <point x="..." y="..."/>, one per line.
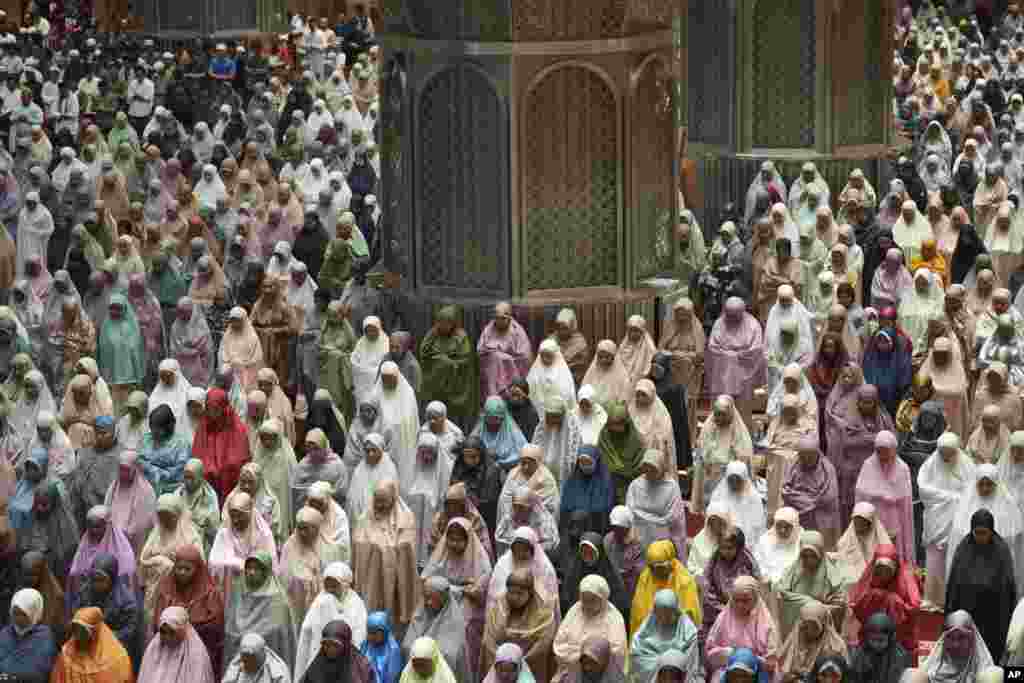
<point x="218" y="463"/>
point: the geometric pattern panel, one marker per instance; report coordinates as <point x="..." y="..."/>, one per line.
<point x="783" y="73"/>
<point x="859" y="85"/>
<point x="570" y="180"/>
<point x="711" y="82"/>
<point x="460" y="19"/>
<point x="652" y="118"/>
<point x="567" y="19"/>
<point x="463" y="232"/>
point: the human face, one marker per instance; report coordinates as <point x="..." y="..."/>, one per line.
<point x="168" y="519"/>
<point x="307" y="533"/>
<point x="828" y="676"/>
<point x="373" y="454"/>
<point x="191" y="480"/>
<point x="810" y="631"/>
<point x="250" y="663"/>
<point x="318" y="503"/>
<point x="21" y="620"/>
<point x="522" y="551"/>
<point x="424" y="668"/>
<point x="986" y="487"/>
<point x="528" y="466"/>
<point x="959" y="643"/>
<point x="268" y="439"/>
<point x="591" y="604"/>
<point x="666" y="617"/>
<point x="867" y="406"/>
<point x="735" y="676"/>
<point x="382" y="505"/>
<point x="743" y="602"/>
<point x="456" y="541"/>
<point x="330" y="649"/>
<point x="389" y="381"/>
<point x="605" y="358"/>
<point x="184" y="571"/>
<point x="728" y="548"/>
<point x="101" y="583"/>
<point x="240" y="519"/>
<point x="375" y="636"/>
<point x="96" y="529"/>
<point x="809" y="560"/>
<point x="861" y="526"/>
<point x="508" y="672"/>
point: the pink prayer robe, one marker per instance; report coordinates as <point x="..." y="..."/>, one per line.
<point x="735" y="358"/>
<point x="503" y="357"/>
<point x="851" y="441"/>
<point x="888" y="488"/>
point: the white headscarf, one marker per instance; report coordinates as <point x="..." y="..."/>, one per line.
<point x="174" y="397"/>
<point x="366" y="359"/>
<point x="943" y="485"/>
<point x="325" y="609"/>
<point x="550" y="380"/>
<point x="1002" y="505"/>
<point x="590" y="425"/>
<point x="208" y="192"/>
<point x="399" y="412"/>
<point x="774" y="554"/>
<point x="747" y="506"/>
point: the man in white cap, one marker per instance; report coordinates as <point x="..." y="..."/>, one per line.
<point x="35" y="226"/>
<point x="141" y="93"/>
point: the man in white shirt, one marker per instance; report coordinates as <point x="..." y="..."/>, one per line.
<point x="140" y="99"/>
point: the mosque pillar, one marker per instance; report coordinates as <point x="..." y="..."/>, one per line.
<point x="790" y="81"/>
<point x="529" y="151"/>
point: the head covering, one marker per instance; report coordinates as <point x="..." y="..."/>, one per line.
<point x="187" y="658"/>
<point x="941" y="667"/>
<point x="798" y="654"/>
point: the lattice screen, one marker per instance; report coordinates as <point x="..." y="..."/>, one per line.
<point x="711" y="79"/>
<point x="783" y="73"/>
<point x="462" y="205"/>
<point x="860" y="96"/>
<point x="651" y="117"/>
<point x="570" y="181"/>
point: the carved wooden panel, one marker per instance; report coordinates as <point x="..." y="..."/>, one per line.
<point x="784" y="45"/>
<point x="570" y="181"/>
<point x="651" y="120"/>
<point x="650" y="14"/>
<point x="567" y="19"/>
<point x="711" y="81"/>
<point x="462" y="201"/>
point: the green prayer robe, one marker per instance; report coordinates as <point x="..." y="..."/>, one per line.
<point x="120" y="349"/>
<point x="623" y="452"/>
<point x="336" y="270"/>
<point x="337" y="341"/>
<point x="796" y="589"/>
<point x="450" y="374"/>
